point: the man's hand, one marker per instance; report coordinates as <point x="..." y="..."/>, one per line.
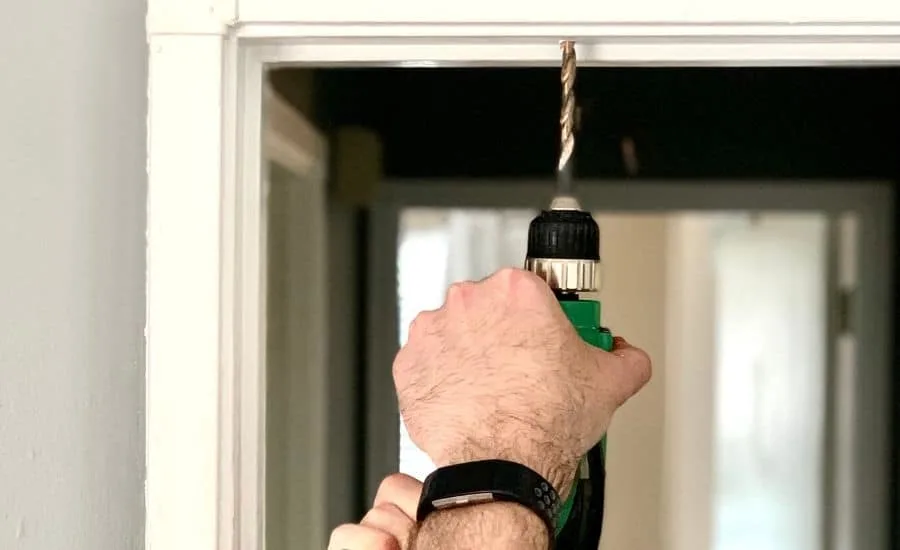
<point x="389" y="525"/>
<point x="499" y="372"/>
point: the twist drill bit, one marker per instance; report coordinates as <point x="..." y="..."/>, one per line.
<point x="567" y="120"/>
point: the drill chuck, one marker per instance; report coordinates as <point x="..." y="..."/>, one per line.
<point x="564" y="250"/>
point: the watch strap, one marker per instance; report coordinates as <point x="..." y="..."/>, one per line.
<point x="487" y="481"/>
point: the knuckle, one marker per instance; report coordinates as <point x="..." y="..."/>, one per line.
<point x="459" y="292"/>
<point x="338" y="532"/>
<point x="399" y="366"/>
<point x="383" y="541"/>
<point x="509" y="275"/>
<point x="639" y="366"/>
<point x="389" y="488"/>
<point x="400" y="492"/>
<point x="521" y="279"/>
<point x="381" y="524"/>
<point x="388" y="509"/>
<point x="343" y="535"/>
<point x="387" y="542"/>
<point x="356" y="536"/>
<point x="644" y="365"/>
<point x="388" y="516"/>
<point x="422" y="322"/>
<point x="378" y="515"/>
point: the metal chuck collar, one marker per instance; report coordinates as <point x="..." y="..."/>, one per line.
<point x="564" y="248"/>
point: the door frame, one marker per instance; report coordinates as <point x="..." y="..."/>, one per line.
<point x="857" y="500"/>
<point x="205" y="208"/>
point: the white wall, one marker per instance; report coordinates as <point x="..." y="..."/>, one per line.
<point x="72" y="218"/>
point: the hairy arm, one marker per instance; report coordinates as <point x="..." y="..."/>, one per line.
<point x="495" y="526"/>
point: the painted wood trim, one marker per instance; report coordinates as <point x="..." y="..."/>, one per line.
<point x="798" y="12"/>
<point x="189" y="17"/>
<point x="585" y="31"/>
<point x="184" y="282"/>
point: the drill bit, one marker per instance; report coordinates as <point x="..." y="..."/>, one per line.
<point x="567" y="120"/>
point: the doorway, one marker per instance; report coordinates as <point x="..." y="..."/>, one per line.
<point x="205" y="466"/>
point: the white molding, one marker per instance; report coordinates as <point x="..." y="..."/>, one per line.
<point x="190" y="16"/>
<point x="598" y="45"/>
<point x="184" y="306"/>
<point x="229" y="400"/>
<point x="250" y="326"/>
<point x="601" y="33"/>
<point x="647" y="11"/>
<point x="206" y="288"/>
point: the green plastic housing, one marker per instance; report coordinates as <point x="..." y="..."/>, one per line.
<point x="585" y="316"/>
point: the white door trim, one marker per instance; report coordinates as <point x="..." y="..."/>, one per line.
<point x="205" y="386"/>
<point x="206" y="260"/>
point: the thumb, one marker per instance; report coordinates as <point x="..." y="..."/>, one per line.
<point x="625" y="370"/>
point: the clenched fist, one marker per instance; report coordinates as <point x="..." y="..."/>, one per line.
<point x="389" y="525"/>
<point x="499" y="372"/>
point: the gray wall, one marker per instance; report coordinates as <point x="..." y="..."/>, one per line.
<point x="72" y="220"/>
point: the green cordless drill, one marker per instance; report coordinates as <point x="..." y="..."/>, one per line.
<point x="564" y="250"/>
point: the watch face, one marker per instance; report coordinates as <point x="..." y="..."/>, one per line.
<point x="462" y="500"/>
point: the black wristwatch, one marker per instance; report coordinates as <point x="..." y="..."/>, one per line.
<point x="486" y="481"/>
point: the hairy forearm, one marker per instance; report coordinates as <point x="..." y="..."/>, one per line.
<point x="495" y="526"/>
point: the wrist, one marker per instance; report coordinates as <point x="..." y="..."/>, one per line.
<point x="497" y="525"/>
<point x="555" y="466"/>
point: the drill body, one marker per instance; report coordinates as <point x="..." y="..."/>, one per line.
<point x="580" y="523"/>
<point x="564" y="250"/>
<point x="585" y="316"/>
